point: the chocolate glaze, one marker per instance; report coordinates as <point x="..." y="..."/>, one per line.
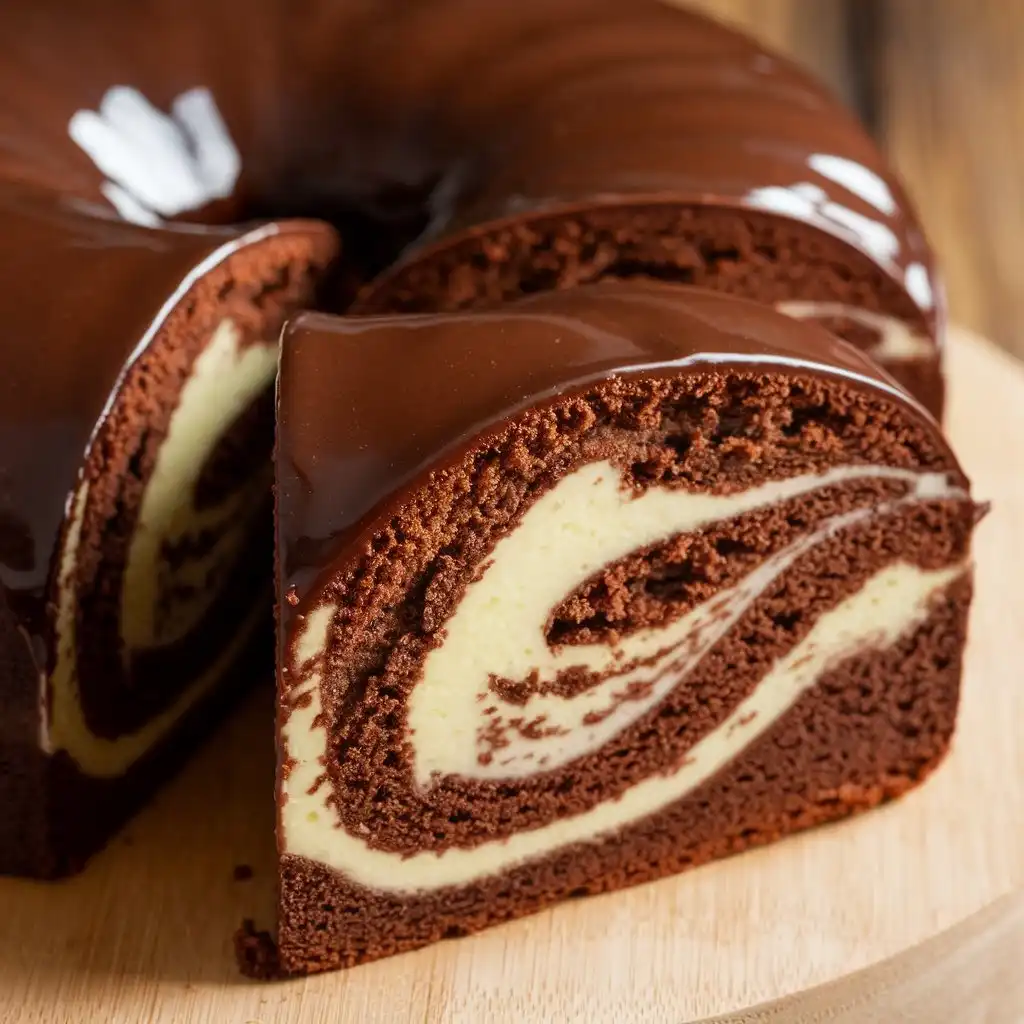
<point x="394" y="113"/>
<point x="343" y="463"/>
<point x="459" y="112"/>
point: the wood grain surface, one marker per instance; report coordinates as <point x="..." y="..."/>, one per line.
<point x="144" y="935"/>
<point x="941" y="84"/>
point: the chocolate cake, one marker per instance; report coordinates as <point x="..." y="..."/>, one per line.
<point x="131" y="598"/>
<point x="177" y="178"/>
<point x="654" y="575"/>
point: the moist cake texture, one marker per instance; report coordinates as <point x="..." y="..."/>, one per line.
<point x="657" y="576"/>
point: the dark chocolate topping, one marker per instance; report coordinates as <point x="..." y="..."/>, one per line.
<point x="460" y="112"/>
<point x="441" y="383"/>
<point x="392" y="115"/>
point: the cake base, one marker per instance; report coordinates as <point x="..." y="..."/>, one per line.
<point x="146" y="931"/>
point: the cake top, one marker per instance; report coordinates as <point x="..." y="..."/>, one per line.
<point x="433" y="116"/>
<point x="418" y="119"/>
<point x="367" y="404"/>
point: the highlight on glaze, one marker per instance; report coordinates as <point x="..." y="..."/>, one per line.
<point x="809" y="202"/>
<point x="158" y="165"/>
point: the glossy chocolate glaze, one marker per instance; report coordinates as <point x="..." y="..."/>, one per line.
<point x="461" y="112"/>
<point x="366" y="406"/>
<point x="387" y="117"/>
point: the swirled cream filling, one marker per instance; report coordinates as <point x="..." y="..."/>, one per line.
<point x="897" y="341"/>
<point x="584" y="522"/>
<point x="162" y="599"/>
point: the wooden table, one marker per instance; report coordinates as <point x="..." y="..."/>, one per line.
<point x="144" y="935"/>
<point x="941" y="84"/>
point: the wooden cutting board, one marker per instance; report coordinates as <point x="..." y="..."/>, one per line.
<point x="927" y="894"/>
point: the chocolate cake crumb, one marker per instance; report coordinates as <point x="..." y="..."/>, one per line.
<point x="242" y="872"/>
<point x="256" y="953"/>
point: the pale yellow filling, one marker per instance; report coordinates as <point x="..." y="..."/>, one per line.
<point x="897" y="341"/>
<point x="160" y="605"/>
<point x="586" y="521"/>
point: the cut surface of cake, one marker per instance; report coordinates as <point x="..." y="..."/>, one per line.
<point x="137" y="481"/>
<point x="647" y="576"/>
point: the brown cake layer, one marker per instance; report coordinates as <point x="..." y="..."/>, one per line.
<point x="692" y="402"/>
<point x="737" y="251"/>
<point x="59" y="809"/>
<point x="873" y="728"/>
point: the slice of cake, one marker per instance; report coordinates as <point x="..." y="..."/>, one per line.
<point x="787" y="261"/>
<point x="135" y="440"/>
<point x="638" y="140"/>
<point x="646" y="576"/>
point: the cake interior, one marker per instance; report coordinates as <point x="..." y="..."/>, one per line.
<point x="162" y="597"/>
<point x="385" y="849"/>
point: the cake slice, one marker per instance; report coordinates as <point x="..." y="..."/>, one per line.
<point x="783" y="258"/>
<point x="135" y="440"/>
<point x="648" y="576"/>
<point x="645" y="141"/>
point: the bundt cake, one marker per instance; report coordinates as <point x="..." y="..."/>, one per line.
<point x="178" y="181"/>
